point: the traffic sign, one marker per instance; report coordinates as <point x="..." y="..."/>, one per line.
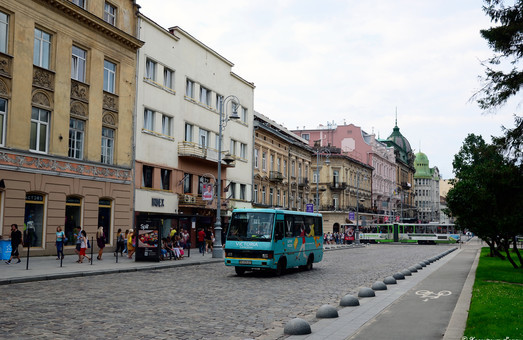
<point x="309" y="207"/>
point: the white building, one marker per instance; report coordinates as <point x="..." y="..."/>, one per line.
<point x="426" y="184"/>
<point x="181" y="83"/>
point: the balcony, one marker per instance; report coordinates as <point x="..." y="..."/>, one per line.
<point x="303" y="181"/>
<point x="338" y="186"/>
<point x="275" y="176"/>
<point x="193" y="150"/>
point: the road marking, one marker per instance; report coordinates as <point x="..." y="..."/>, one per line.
<point x="427" y="294"/>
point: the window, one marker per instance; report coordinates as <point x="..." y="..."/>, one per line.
<point x="255" y="198"/>
<point x="189" y="88"/>
<point x="204" y="138"/>
<point x="187" y="183"/>
<point x="243" y="151"/>
<point x="205" y="96"/>
<point x="147" y="176"/>
<point x="293" y="169"/>
<point x="168" y="78"/>
<point x="271" y="162"/>
<point x="256" y="158"/>
<point x="167" y="125"/>
<point x="278" y="164"/>
<point x="188" y="132"/>
<point x="243" y="114"/>
<point x="105" y="216"/>
<point x="305" y="136"/>
<point x="148" y="120"/>
<point x="73" y="218"/>
<point x="109" y="76"/>
<point x="3" y="119"/>
<point x="34" y="218"/>
<point x="278" y="197"/>
<point x="284" y="168"/>
<point x="150" y="69"/>
<point x="232" y="150"/>
<point x="42" y="49"/>
<point x="4" y="32"/>
<point x="315" y="177"/>
<point x="243" y="189"/>
<point x="271" y="196"/>
<point x="264" y="161"/>
<point x="78" y="59"/>
<point x="110" y="14"/>
<point x="80" y="3"/>
<point x="219" y="101"/>
<point x="263" y="195"/>
<point x="40" y="120"/>
<point x="232" y="190"/>
<point x="76" y="138"/>
<point x="107" y="145"/>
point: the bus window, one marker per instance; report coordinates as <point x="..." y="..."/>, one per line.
<point x="251" y="226"/>
<point x="278" y="231"/>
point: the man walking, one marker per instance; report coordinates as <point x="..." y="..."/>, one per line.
<point x="16" y="239"/>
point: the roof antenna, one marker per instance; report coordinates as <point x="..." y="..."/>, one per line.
<point x="396" y="116"/>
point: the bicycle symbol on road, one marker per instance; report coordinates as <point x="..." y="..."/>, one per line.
<point x="427" y="294"/>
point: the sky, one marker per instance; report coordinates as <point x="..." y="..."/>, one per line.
<point x="347" y="61"/>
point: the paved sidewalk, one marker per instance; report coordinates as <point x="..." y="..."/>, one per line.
<point x="48" y="268"/>
<point x="431" y="304"/>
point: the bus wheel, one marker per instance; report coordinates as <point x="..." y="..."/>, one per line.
<point x="280" y="268"/>
<point x="310" y="260"/>
<point x="240" y="271"/>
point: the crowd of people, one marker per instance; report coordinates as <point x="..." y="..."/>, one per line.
<point x="346" y="237"/>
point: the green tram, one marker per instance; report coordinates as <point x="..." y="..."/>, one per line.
<point x="430" y="233"/>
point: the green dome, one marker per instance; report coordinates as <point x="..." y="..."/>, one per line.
<point x="421" y="164"/>
<point x="399" y="140"/>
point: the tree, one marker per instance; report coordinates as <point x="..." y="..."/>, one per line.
<point x="506" y="40"/>
<point x="487" y="197"/>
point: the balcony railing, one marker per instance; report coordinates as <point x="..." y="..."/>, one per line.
<point x="190" y="149"/>
<point x="275" y="176"/>
<point x="338" y="186"/>
<point x="303" y="181"/>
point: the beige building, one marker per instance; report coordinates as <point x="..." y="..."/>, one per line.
<point x="67" y="89"/>
<point x="344" y="189"/>
<point x="282" y="167"/>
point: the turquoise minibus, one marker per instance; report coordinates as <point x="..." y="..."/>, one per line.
<point x="273" y="239"/>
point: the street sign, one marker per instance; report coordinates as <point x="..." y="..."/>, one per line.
<point x="351" y="215"/>
<point x="309" y="207"/>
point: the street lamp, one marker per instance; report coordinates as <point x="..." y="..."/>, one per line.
<point x="358" y="200"/>
<point x="217" y="250"/>
<point x="327" y="162"/>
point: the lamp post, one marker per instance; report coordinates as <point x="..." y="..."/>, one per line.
<point x="217" y="250"/>
<point x="358" y="201"/>
<point x="328" y="153"/>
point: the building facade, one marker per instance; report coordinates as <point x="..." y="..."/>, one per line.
<point x="183" y="85"/>
<point x="282" y="167"/>
<point x="426" y="184"/>
<point x="405" y="209"/>
<point x="67" y="92"/>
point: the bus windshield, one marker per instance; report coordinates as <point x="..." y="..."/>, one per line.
<point x="251" y="226"/>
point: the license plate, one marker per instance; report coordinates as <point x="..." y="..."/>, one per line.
<point x="245" y="262"/>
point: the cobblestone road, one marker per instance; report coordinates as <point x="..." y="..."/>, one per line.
<point x="195" y="302"/>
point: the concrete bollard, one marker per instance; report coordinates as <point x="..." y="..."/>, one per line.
<point x="297" y="326"/>
<point x="399" y="276"/>
<point x="422" y="264"/>
<point x="418" y="266"/>
<point x="366" y="292"/>
<point x="349" y="301"/>
<point x="327" y="312"/>
<point x="379" y="285"/>
<point x="406" y="272"/>
<point x="390" y="280"/>
<point x="413" y="269"/>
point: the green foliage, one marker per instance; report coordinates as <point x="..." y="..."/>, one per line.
<point x="496" y="309"/>
<point x="506" y="41"/>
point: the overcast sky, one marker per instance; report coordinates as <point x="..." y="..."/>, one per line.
<point x="314" y="62"/>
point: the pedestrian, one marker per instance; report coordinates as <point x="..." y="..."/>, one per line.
<point x="16" y="240"/>
<point x="130" y="243"/>
<point x="125" y="241"/>
<point x="100" y="241"/>
<point x="83" y="247"/>
<point x="209" y="240"/>
<point x="201" y="241"/>
<point x="120" y="242"/>
<point x="60" y="240"/>
<point x="78" y="236"/>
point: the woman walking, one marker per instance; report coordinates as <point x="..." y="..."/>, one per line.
<point x="120" y="243"/>
<point x="130" y="244"/>
<point x="83" y="247"/>
<point x="60" y="239"/>
<point x="100" y="241"/>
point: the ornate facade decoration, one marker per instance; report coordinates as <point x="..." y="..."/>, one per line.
<point x="4" y="88"/>
<point x="79" y="109"/>
<point x="109" y="119"/>
<point x="110" y="102"/>
<point x="79" y="91"/>
<point x="5" y="64"/>
<point x="41" y="98"/>
<point x="43" y="78"/>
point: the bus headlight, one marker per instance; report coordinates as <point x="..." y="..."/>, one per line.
<point x="267" y="255"/>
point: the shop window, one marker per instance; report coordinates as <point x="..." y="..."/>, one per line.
<point x="34" y="219"/>
<point x="104" y="217"/>
<point x="73" y="218"/>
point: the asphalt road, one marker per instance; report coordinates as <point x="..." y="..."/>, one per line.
<point x="194" y="302"/>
